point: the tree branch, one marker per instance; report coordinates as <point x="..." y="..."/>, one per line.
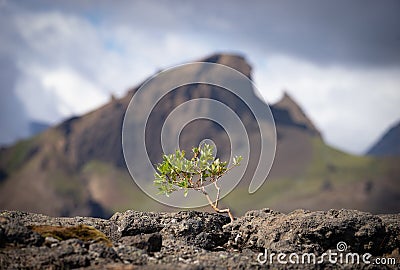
<point x="214" y="206"/>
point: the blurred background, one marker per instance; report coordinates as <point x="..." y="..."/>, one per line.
<point x="329" y="70"/>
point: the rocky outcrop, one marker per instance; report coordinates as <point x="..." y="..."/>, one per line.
<point x="194" y="240"/>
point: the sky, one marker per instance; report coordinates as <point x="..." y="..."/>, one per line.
<point x="340" y="60"/>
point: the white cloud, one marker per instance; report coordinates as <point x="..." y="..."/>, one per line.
<point x="69" y="66"/>
<point x="76" y="94"/>
<point x="57" y="66"/>
<point x="51" y="95"/>
<point x="352" y="107"/>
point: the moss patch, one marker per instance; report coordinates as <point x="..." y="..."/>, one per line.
<point x="83" y="232"/>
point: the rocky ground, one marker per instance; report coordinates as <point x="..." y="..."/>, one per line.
<point x="196" y="240"/>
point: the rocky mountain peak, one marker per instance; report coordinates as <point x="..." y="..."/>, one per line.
<point x="235" y="61"/>
<point x="296" y="113"/>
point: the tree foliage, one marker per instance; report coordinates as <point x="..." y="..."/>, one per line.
<point x="176" y="172"/>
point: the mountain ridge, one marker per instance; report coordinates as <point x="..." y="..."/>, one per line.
<point x="78" y="168"/>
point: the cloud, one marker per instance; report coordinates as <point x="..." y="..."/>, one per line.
<point x="51" y="95"/>
<point x="14" y="122"/>
<point x="70" y="66"/>
<point x="337" y="59"/>
<point x="339" y="32"/>
<point x="351" y="106"/>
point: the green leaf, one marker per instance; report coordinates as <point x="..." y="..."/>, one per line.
<point x="175" y="171"/>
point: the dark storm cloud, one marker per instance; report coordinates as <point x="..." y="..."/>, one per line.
<point x="338" y="32"/>
<point x="326" y="32"/>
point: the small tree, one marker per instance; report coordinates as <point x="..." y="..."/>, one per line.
<point x="176" y="172"/>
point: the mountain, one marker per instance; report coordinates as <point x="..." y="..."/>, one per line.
<point x="78" y="167"/>
<point x="388" y="144"/>
<point x="295" y="115"/>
